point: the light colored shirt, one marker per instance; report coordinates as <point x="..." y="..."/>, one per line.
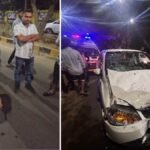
<point x="24" y="49"/>
<point x="72" y="61"/>
<point x="15" y="22"/>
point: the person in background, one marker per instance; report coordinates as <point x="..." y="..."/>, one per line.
<point x="73" y="63"/>
<point x="54" y="85"/>
<point x="16" y="21"/>
<point x="26" y="34"/>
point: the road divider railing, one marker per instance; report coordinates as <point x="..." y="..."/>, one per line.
<point x="39" y="48"/>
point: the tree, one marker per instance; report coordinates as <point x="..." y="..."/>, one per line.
<point x="35" y="11"/>
<point x="52" y="7"/>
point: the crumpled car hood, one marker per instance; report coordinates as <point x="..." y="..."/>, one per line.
<point x="132" y="86"/>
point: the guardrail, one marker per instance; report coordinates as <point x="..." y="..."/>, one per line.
<point x="38" y="48"/>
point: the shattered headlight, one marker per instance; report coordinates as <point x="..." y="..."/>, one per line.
<point x="120" y="115"/>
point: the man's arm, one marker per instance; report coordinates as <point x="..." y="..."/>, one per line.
<point x="28" y="38"/>
<point x="34" y="37"/>
<point x="23" y="38"/>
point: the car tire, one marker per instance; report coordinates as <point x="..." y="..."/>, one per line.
<point x="49" y="31"/>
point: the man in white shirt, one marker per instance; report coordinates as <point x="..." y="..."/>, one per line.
<point x="25" y="33"/>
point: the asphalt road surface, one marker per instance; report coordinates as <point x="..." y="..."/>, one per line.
<point x="82" y="127"/>
<point x="34" y="120"/>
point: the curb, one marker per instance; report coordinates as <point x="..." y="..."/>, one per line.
<point x="39" y="50"/>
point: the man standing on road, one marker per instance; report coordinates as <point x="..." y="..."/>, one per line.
<point x="26" y="33"/>
<point x="16" y="21"/>
<point x="73" y="63"/>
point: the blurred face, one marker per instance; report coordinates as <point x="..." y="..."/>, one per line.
<point x="26" y="18"/>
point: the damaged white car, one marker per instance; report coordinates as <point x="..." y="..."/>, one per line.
<point x="124" y="91"/>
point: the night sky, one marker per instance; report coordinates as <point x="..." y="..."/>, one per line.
<point x="108" y="17"/>
<point x="19" y="4"/>
<point x="104" y="11"/>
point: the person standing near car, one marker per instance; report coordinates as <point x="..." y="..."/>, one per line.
<point x="73" y="63"/>
<point x="54" y="85"/>
<point x="26" y="33"/>
<point x="16" y="21"/>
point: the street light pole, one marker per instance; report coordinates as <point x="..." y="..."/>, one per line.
<point x="129" y="26"/>
<point x="128" y="36"/>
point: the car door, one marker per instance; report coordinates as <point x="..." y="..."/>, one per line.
<point x="56" y="26"/>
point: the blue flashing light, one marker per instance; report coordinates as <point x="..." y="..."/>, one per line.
<point x="87" y="37"/>
<point x="65" y="35"/>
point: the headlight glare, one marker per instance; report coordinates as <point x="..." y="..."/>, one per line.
<point x="122" y="115"/>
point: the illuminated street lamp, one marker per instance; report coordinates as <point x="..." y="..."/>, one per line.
<point x="131" y="21"/>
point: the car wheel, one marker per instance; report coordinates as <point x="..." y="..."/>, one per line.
<point x="50" y="31"/>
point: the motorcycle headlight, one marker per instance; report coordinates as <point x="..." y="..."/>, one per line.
<point x="120" y="115"/>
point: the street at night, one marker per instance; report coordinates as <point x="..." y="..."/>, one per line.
<point x="114" y="34"/>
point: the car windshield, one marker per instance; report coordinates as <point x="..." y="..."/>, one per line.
<point x="127" y="61"/>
